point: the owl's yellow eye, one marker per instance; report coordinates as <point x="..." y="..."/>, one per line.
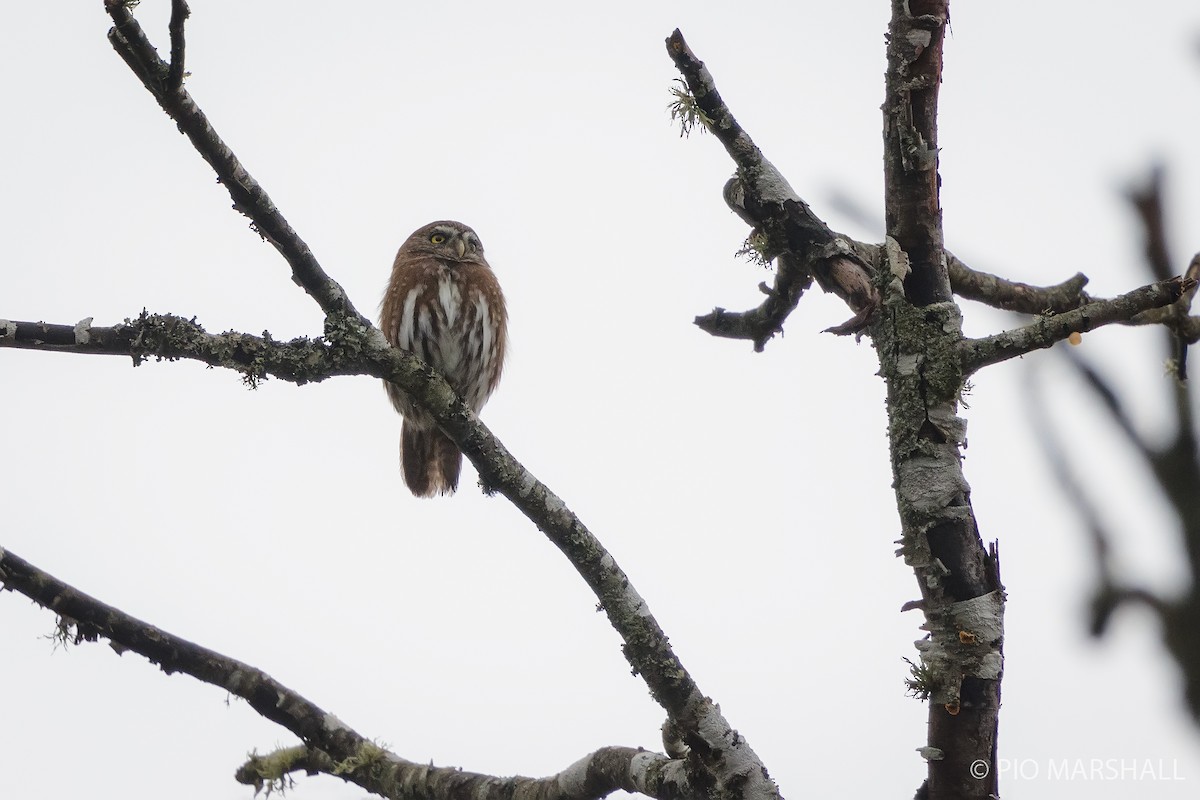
<point x="437" y="238"/>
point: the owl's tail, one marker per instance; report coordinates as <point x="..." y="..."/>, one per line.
<point x="429" y="461"/>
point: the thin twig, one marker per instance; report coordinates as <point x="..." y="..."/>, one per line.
<point x="179" y="14"/>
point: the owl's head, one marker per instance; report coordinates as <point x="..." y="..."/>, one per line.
<point x="446" y="240"/>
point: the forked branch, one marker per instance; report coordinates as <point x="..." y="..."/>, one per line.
<point x="784" y="227"/>
<point x="1046" y="330"/>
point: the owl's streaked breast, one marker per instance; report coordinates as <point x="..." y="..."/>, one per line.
<point x="447" y="318"/>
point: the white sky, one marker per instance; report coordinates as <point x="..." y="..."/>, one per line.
<point x="748" y="496"/>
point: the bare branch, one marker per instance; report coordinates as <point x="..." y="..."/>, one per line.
<point x="1009" y="295"/>
<point x="1045" y="331"/>
<point x="331" y="746"/>
<point x="179" y="14"/>
<point x="130" y="42"/>
<point x="1112" y="404"/>
<point x="762" y="197"/>
<point x="762" y="323"/>
<point x="981" y="286"/>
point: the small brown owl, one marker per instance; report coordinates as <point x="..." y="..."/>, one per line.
<point x="444" y="305"/>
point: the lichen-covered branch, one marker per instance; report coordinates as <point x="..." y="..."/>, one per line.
<point x="84" y="618"/>
<point x="784" y="227"/>
<point x="959" y="579"/>
<point x="169" y="337"/>
<point x="916" y="338"/>
<point x="1046" y="330"/>
<point x="330" y="746"/>
<point x="1009" y="295"/>
<point x="375" y="769"/>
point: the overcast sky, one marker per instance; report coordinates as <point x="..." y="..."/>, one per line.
<point x="747" y="495"/>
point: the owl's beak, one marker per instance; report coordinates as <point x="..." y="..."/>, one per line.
<point x="460" y="244"/>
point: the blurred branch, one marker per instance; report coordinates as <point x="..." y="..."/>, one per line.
<point x="785" y="228"/>
<point x="1175" y="464"/>
<point x="1108" y="594"/>
<point x="331" y="746"/>
<point x="1045" y="331"/>
<point x="1147" y="201"/>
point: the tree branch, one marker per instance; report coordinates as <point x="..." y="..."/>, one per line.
<point x="701" y="724"/>
<point x="1147" y="201"/>
<point x="1009" y="295"/>
<point x="913" y="212"/>
<point x="727" y="756"/>
<point x="168" y="337"/>
<point x="762" y="323"/>
<point x="594" y="776"/>
<point x="1045" y="331"/>
<point x="722" y="760"/>
<point x="249" y="198"/>
<point x="1175" y="464"/>
<point x="179" y="14"/>
<point x="785" y="228"/>
<point x="331" y="746"/>
<point x="962" y="660"/>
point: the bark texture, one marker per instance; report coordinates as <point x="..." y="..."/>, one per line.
<point x="917" y="339"/>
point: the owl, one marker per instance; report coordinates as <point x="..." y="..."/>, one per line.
<point x="444" y="305"/>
